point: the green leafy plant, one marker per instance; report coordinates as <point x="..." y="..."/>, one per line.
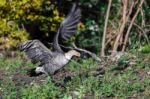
<point x="21" y="19"/>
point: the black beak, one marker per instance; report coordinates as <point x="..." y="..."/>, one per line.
<point x="83" y="55"/>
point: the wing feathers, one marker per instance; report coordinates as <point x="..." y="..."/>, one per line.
<point x="35" y="50"/>
<point x="68" y="27"/>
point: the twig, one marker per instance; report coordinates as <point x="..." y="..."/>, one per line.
<point x="131" y="24"/>
<point x="143" y="18"/>
<point x="124" y="19"/>
<point x="143" y="31"/>
<point x="105" y="28"/>
<point x="110" y="39"/>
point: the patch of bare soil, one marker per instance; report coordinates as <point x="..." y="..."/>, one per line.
<point x="19" y="79"/>
<point x="24" y="79"/>
<point x="142" y="74"/>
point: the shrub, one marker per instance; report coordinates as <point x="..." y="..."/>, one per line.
<point x="20" y="19"/>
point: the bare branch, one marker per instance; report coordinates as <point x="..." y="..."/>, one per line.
<point x="131" y="24"/>
<point x="121" y="29"/>
<point x="143" y="31"/>
<point x="105" y="27"/>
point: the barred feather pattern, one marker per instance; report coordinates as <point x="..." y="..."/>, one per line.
<point x="68" y="27"/>
<point x="53" y="61"/>
<point x="35" y="50"/>
<point x="38" y="53"/>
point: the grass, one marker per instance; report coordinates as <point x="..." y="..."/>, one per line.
<point x="132" y="82"/>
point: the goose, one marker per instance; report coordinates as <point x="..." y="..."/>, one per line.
<point x="51" y="61"/>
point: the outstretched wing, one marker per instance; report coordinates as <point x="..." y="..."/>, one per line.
<point x="35" y="50"/>
<point x="68" y="27"/>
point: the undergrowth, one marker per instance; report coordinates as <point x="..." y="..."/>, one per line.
<point x="131" y="82"/>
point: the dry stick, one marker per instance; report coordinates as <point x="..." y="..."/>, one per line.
<point x="105" y="27"/>
<point x="115" y="35"/>
<point x="143" y="25"/>
<point x="143" y="16"/>
<point x="110" y="39"/>
<point x="143" y="31"/>
<point x="122" y="27"/>
<point x="143" y="19"/>
<point x="131" y="24"/>
<point x="130" y="11"/>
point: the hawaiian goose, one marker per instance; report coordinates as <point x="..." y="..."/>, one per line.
<point x="50" y="61"/>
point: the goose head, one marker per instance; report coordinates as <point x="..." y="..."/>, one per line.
<point x="72" y="53"/>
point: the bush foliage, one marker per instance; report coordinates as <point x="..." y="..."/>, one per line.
<point x="20" y="18"/>
<point x="31" y="19"/>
